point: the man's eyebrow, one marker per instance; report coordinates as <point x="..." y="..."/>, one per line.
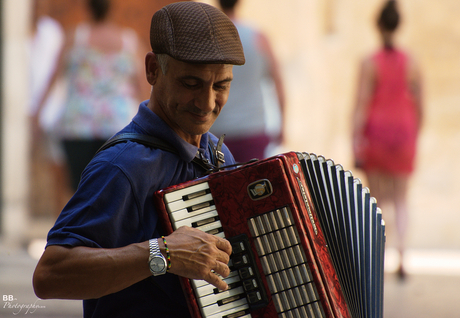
<point x="187" y="77"/>
<point x="225" y="80"/>
<point x="228" y="79"/>
<point x="192" y="77"/>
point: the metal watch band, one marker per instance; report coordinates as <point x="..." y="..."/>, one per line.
<point x="154" y="247"/>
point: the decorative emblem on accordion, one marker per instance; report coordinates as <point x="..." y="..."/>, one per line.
<point x="260" y="189"/>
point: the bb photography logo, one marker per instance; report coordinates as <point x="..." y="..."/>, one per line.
<point x="11" y="304"/>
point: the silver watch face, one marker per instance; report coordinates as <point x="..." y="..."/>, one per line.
<point x="157" y="265"/>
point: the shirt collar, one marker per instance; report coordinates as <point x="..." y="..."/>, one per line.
<point x="155" y="126"/>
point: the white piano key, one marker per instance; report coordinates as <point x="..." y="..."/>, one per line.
<point x="198" y="283"/>
<point x="196" y="218"/>
<point x="195" y="202"/>
<point x="214" y="298"/>
<point x="207" y="289"/>
<point x="184" y="213"/>
<point x="231" y="311"/>
<point x="221" y="235"/>
<point x="213" y="309"/>
<point x="178" y="194"/>
<point x="210" y="226"/>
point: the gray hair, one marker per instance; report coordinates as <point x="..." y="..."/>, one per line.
<point x="163" y="60"/>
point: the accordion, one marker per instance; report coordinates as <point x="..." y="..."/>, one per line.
<point x="307" y="238"/>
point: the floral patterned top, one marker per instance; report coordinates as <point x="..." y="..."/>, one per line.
<point x="101" y="93"/>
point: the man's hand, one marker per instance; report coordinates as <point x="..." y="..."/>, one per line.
<point x="198" y="255"/>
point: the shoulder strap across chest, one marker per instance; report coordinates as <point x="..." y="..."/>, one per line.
<point x="216" y="154"/>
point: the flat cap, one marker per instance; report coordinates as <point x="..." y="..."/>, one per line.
<point x="195" y="32"/>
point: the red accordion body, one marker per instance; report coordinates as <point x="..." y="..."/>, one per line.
<point x="261" y="190"/>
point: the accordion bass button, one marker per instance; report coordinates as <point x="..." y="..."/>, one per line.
<point x="250" y="284"/>
<point x="254" y="297"/>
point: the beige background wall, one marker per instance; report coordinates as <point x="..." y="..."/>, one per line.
<point x="319" y="44"/>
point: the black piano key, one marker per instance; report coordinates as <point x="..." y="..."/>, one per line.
<point x="200" y="206"/>
<point x="205" y="221"/>
<point x="230" y="299"/>
<point x="230" y="286"/>
<point x="215" y="231"/>
<point x="195" y="195"/>
<point x="238" y="314"/>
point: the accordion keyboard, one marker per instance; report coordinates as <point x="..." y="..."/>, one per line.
<point x="194" y="207"/>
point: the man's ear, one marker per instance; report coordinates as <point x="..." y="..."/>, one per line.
<point x="152" y="68"/>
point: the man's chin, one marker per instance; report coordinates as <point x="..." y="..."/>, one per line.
<point x="200" y="128"/>
<point x="197" y="130"/>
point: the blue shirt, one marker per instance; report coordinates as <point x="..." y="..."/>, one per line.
<point x="113" y="207"/>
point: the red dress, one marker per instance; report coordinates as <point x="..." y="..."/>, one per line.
<point x="391" y="129"/>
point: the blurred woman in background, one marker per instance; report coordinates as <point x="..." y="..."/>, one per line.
<point x="101" y="64"/>
<point x="387" y="122"/>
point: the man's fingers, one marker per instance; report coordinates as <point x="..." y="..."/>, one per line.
<point x="222" y="269"/>
<point x="224" y="245"/>
<point x="222" y="257"/>
<point x="216" y="280"/>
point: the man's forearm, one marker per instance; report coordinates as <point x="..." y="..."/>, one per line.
<point x="87" y="273"/>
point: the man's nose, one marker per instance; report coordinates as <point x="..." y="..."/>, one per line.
<point x="207" y="100"/>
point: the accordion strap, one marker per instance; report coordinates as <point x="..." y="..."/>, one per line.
<point x="154" y="142"/>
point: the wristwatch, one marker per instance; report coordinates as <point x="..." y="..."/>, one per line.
<point x="157" y="262"/>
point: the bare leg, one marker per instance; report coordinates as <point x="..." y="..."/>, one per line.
<point x="391" y="193"/>
<point x="379" y="185"/>
<point x="400" y="189"/>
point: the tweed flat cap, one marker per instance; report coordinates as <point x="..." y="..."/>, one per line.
<point x="195" y="32"/>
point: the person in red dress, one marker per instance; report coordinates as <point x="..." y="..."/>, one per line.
<point x="387" y="122"/>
